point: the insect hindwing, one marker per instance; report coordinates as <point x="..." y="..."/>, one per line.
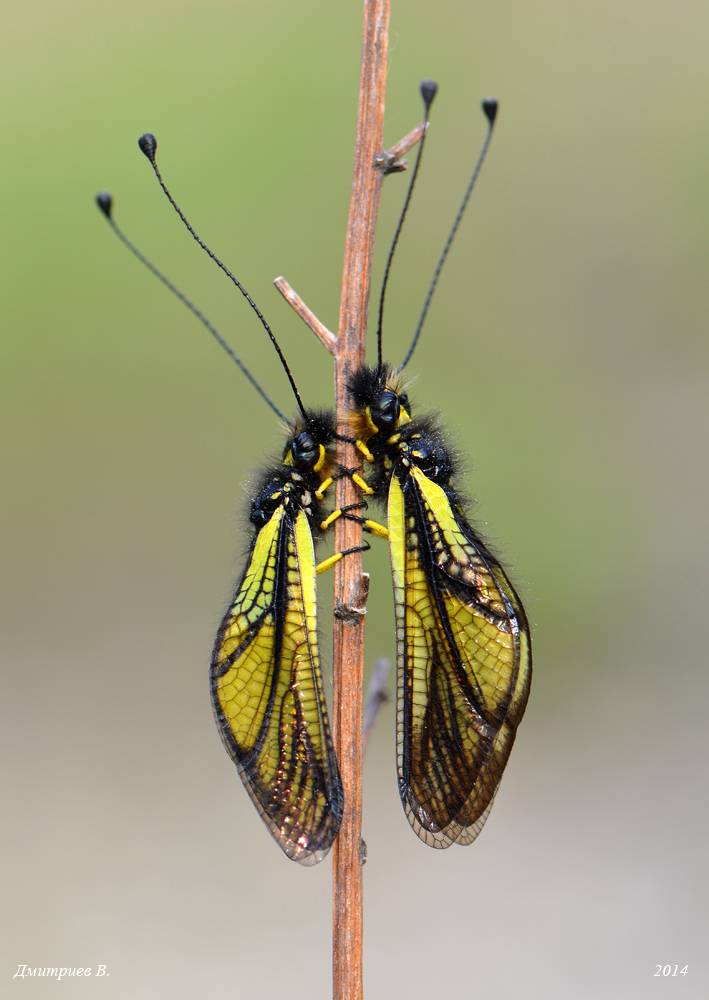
<point x="267" y="692"/>
<point x="463" y="663"/>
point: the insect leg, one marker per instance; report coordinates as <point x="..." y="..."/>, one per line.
<point x="323" y="487"/>
<point x="353" y="474"/>
<point x="362" y="447"/>
<point x="373" y="527"/>
<point x="340" y="511"/>
<point x="328" y="563"/>
<point x="327" y="483"/>
<point x="362" y="484"/>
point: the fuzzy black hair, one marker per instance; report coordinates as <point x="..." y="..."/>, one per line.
<point x="321" y="424"/>
<point x="368" y="382"/>
<point x="428" y="427"/>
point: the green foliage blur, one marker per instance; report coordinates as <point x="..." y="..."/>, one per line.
<point x="566" y="350"/>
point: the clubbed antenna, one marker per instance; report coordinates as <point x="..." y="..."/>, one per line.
<point x="428" y="90"/>
<point x="105" y="203"/>
<point x="489" y="106"/>
<point x="148" y="145"/>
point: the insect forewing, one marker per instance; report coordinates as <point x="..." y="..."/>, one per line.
<point x="267" y="692"/>
<point x="464" y="663"/>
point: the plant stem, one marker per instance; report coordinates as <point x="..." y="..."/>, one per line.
<point x="371" y="164"/>
<point x="348" y="635"/>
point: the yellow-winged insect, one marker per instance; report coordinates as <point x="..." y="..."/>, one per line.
<point x="463" y="643"/>
<point x="265" y="676"/>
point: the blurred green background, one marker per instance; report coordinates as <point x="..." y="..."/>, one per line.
<point x="566" y="350"/>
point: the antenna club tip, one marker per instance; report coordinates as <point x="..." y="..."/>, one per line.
<point x="105" y="202"/>
<point x="429" y="89"/>
<point x="148" y="145"/>
<point x="490" y="106"/>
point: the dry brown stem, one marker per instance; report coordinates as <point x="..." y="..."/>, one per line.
<point x="390" y="160"/>
<point x="371" y="164"/>
<point x="348" y="639"/>
<point x="325" y="336"/>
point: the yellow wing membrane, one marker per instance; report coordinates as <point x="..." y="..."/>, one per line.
<point x="464" y="663"/>
<point x="267" y="692"/>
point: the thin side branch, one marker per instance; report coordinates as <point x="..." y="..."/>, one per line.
<point x="389" y="161"/>
<point x="350" y="585"/>
<point x="326" y="337"/>
<point x="377" y="696"/>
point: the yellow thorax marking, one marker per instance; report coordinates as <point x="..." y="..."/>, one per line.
<point x="368" y="416"/>
<point x="321" y="459"/>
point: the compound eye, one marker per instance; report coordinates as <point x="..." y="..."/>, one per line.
<point x="386" y="413"/>
<point x="304" y="449"/>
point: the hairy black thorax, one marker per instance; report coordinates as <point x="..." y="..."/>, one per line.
<point x="307" y="460"/>
<point x="397" y="441"/>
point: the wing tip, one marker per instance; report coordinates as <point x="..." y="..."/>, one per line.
<point x="454" y="832"/>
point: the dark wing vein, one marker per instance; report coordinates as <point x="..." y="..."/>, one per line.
<point x="267" y="692"/>
<point x="464" y="663"/>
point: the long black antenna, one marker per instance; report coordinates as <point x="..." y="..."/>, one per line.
<point x="428" y="90"/>
<point x="149" y="145"/>
<point x="489" y="106"/>
<point x="105" y="203"/>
